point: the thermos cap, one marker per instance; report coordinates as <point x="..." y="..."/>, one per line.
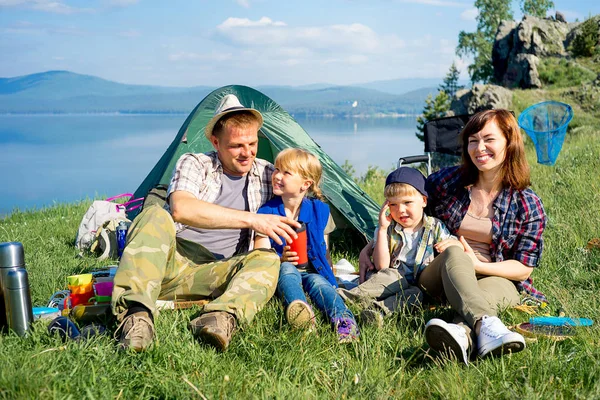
<point x="16" y="279"/>
<point x="11" y="255"/>
<point x="302" y="227"/>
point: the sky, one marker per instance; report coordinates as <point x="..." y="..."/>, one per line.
<point x="251" y="42"/>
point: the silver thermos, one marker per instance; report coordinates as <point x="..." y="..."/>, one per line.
<point x="15" y="300"/>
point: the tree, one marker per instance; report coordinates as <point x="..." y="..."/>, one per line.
<point x="450" y="85"/>
<point x="537" y="8"/>
<point x="585" y="43"/>
<point x="479" y="44"/>
<point x="434" y="108"/>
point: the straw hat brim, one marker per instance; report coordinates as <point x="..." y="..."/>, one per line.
<point x="208" y="130"/>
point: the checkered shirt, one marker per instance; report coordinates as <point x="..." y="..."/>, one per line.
<point x="517" y="226"/>
<point x="200" y="174"/>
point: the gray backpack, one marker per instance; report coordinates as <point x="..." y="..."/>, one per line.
<point x="99" y="213"/>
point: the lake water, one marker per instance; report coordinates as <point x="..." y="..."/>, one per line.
<point x="47" y="159"/>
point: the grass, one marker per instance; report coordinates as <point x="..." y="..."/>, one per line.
<point x="268" y="360"/>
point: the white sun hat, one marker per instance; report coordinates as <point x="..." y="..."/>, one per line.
<point x="227" y="105"/>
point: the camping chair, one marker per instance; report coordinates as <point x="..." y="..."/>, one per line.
<point x="441" y="135"/>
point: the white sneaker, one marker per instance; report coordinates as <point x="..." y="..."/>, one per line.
<point x="449" y="339"/>
<point x="495" y="338"/>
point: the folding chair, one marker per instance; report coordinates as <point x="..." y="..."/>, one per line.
<point x="441" y="135"/>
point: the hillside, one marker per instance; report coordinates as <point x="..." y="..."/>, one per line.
<point x="67" y="92"/>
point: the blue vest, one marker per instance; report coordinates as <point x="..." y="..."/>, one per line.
<point x="315" y="214"/>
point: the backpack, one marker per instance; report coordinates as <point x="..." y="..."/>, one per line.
<point x="105" y="244"/>
<point x="97" y="215"/>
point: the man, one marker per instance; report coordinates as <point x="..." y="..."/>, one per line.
<point x="197" y="246"/>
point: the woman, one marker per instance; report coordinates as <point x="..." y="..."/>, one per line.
<point x="486" y="202"/>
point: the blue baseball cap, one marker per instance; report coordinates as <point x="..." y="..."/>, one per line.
<point x="410" y="176"/>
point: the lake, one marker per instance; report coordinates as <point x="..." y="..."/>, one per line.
<point x="47" y="159"/>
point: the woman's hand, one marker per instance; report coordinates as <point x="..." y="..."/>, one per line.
<point x="289" y="256"/>
<point x="364" y="262"/>
<point x="385" y="216"/>
<point x="469" y="251"/>
<point x="441" y="246"/>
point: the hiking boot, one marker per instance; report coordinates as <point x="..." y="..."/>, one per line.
<point x="214" y="328"/>
<point x="135" y="332"/>
<point x="448" y="339"/>
<point x="495" y="338"/>
<point x="300" y="315"/>
<point x="371" y="317"/>
<point x="346" y="329"/>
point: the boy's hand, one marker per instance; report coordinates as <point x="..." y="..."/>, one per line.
<point x="441" y="246"/>
<point x="385" y="215"/>
<point x="289" y="256"/>
<point x="364" y="262"/>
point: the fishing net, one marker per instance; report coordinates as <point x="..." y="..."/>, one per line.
<point x="546" y="124"/>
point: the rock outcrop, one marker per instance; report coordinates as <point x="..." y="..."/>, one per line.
<point x="518" y="46"/>
<point x="479" y="98"/>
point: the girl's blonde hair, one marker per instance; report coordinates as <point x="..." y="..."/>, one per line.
<point x="304" y="164"/>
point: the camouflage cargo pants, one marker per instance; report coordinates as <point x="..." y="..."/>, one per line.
<point x="157" y="266"/>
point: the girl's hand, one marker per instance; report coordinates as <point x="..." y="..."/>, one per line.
<point x="469" y="251"/>
<point x="441" y="246"/>
<point x="385" y="215"/>
<point x="289" y="256"/>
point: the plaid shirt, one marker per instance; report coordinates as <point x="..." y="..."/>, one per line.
<point x="517" y="226"/>
<point x="200" y="174"/>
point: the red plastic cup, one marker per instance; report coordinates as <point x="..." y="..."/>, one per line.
<point x="300" y="247"/>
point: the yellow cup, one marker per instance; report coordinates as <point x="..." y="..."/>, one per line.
<point x="79" y="280"/>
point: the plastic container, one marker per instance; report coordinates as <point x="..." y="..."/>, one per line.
<point x="87" y="313"/>
<point x="45" y="313"/>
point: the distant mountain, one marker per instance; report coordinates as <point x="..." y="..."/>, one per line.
<point x="402" y="86"/>
<point x="68" y="92"/>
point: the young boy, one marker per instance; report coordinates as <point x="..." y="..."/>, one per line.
<point x="403" y="246"/>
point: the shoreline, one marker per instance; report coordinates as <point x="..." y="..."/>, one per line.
<point x="125" y="114"/>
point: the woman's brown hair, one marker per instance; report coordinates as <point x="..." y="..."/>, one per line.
<point x="514" y="172"/>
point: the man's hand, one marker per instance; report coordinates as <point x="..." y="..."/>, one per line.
<point x="364" y="262"/>
<point x="274" y="226"/>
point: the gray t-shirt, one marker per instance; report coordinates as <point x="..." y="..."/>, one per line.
<point x="224" y="243"/>
<point x="405" y="261"/>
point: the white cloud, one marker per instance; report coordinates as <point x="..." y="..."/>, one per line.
<point x="439" y="3"/>
<point x="243" y="3"/>
<point x="130" y="33"/>
<point x="56" y="7"/>
<point x="232" y="23"/>
<point x="123" y="3"/>
<point x="469" y="14"/>
<point x="191" y="56"/>
<point x="28" y="28"/>
<point x="267" y="34"/>
<point x="447" y="46"/>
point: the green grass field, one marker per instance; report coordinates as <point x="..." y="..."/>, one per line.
<point x="268" y="360"/>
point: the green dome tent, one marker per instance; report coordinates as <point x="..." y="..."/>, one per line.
<point x="350" y="206"/>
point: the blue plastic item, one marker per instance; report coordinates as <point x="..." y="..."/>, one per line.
<point x="560" y="321"/>
<point x="45" y="313"/>
<point x="546" y="124"/>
